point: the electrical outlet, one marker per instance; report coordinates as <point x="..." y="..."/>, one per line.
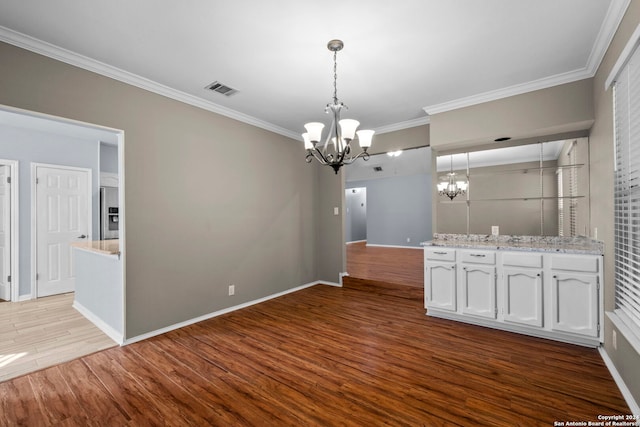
<point x="232" y="290"/>
<point x="614" y="339"/>
<point x="408" y="239"/>
<point x="495" y="230"/>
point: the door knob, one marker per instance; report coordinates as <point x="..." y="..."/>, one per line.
<point x="82" y="236"/>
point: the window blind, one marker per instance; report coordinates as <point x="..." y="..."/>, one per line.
<point x="573" y="192"/>
<point x="627" y="190"/>
<point x="560" y="203"/>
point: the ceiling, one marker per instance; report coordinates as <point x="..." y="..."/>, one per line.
<point x="402" y="58"/>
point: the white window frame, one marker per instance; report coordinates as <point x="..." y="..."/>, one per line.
<point x="626" y="315"/>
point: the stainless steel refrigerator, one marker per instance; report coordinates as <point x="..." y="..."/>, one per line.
<point x="109" y="216"/>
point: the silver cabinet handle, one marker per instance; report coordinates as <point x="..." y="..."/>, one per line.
<point x="82" y="237"/>
<point x="440" y="253"/>
<point x="478" y="255"/>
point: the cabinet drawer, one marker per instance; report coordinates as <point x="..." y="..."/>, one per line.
<point x="587" y="264"/>
<point x="478" y="257"/>
<point x="439" y="254"/>
<point x="518" y="259"/>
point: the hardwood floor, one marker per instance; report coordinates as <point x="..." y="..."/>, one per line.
<point x="40" y="333"/>
<point x="402" y="266"/>
<point x="322" y="356"/>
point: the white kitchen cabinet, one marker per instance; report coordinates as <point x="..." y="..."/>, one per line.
<point x="540" y="293"/>
<point x="523" y="288"/>
<point x="575" y="294"/>
<point x="575" y="303"/>
<point x="441" y="289"/>
<point x="522" y="291"/>
<point x="440" y="279"/>
<point x="478" y="283"/>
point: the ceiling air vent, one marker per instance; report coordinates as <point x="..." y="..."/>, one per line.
<point x="220" y="88"/>
<point x="377" y="168"/>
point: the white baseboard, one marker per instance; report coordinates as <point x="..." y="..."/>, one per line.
<point x="356" y="241"/>
<point x="25" y="297"/>
<point x="223" y="311"/>
<point x="118" y="337"/>
<point x="628" y="397"/>
<point x="395" y="246"/>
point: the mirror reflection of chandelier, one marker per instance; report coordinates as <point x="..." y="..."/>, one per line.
<point x="336" y="150"/>
<point x="451" y="186"/>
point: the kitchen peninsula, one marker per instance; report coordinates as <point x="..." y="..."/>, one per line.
<point x="99" y="291"/>
<point x="544" y="286"/>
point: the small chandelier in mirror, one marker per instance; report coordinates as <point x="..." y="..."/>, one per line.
<point x="451" y="185"/>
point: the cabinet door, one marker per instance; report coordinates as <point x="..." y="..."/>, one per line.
<point x="440" y="286"/>
<point x="523" y="296"/>
<point x="479" y="290"/>
<point x="575" y="303"/>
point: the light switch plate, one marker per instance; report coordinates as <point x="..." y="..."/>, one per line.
<point x="336" y="211"/>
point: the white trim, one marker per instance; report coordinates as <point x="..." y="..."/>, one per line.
<point x="100" y="324"/>
<point x="519" y="89"/>
<point x="57" y="119"/>
<point x="420" y="121"/>
<point x="14" y="224"/>
<point x="122" y="231"/>
<point x="623" y="58"/>
<point x="34" y="218"/>
<point x="608" y="29"/>
<point x="394" y="246"/>
<point x="624" y="390"/>
<point x="223" y="311"/>
<point x="52" y="51"/>
<point x="356" y="241"/>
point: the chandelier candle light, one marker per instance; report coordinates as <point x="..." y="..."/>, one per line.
<point x="336" y="150"/>
<point x="449" y="186"/>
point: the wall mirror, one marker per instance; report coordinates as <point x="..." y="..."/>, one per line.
<point x="534" y="189"/>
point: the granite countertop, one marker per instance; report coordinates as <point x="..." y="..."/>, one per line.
<point x="556" y="244"/>
<point x="105" y="247"/>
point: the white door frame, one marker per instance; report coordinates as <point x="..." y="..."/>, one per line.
<point x="14" y="223"/>
<point x="34" y="210"/>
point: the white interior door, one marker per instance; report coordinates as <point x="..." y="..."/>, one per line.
<point x="62" y="217"/>
<point x="5" y="233"/>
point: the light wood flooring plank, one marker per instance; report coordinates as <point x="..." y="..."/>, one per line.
<point x="39" y="333"/>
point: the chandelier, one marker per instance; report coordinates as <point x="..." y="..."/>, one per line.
<point x="450" y="187"/>
<point x="336" y="149"/>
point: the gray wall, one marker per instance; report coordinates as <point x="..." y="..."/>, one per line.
<point x="28" y="146"/>
<point x="108" y="158"/>
<point x="194" y="224"/>
<point x="99" y="286"/>
<point x="356" y="214"/>
<point x="398" y="208"/>
<point x="625" y="358"/>
<point x="563" y="108"/>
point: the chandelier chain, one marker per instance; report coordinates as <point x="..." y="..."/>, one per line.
<point x="335" y="77"/>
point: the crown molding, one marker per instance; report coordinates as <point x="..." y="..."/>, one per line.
<point x="610" y="24"/>
<point x="55" y="52"/>
<point x="420" y="121"/>
<point x="506" y="92"/>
